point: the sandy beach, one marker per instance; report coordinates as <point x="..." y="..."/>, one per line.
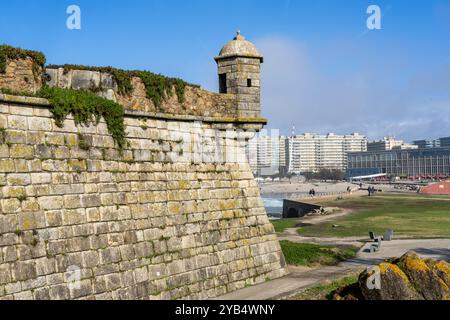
<point x="287" y="188"/>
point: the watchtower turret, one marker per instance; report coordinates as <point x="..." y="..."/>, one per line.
<point x="239" y="68"/>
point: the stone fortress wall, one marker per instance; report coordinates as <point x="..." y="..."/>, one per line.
<point x="176" y="214"/>
<point x="197" y="102"/>
<point x="20" y="76"/>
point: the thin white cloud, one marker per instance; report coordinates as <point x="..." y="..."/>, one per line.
<point x="297" y="90"/>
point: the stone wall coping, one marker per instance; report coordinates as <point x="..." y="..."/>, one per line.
<point x="34" y="101"/>
<point x="135" y="113"/>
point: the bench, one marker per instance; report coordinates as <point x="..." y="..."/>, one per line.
<point x="388" y="236"/>
<point x="376" y="246"/>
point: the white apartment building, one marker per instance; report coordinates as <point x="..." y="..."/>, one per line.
<point x="284" y="146"/>
<point x="389" y="143"/>
<point x="272" y="155"/>
<point x="267" y="154"/>
<point x="302" y="153"/>
<point x="311" y="153"/>
<point x="252" y="154"/>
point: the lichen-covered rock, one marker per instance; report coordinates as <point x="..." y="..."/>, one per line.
<point x="405" y="278"/>
<point x="394" y="284"/>
<point x="349" y="293"/>
<point x="441" y="268"/>
<point x="426" y="282"/>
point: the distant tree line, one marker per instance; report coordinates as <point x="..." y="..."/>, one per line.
<point x="325" y="174"/>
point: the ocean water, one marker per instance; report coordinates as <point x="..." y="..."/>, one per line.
<point x="274" y="206"/>
<point x="274" y="202"/>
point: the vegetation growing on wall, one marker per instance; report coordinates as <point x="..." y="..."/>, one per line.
<point x="86" y="108"/>
<point x="122" y="77"/>
<point x="158" y="87"/>
<point x="17" y="93"/>
<point x="12" y="53"/>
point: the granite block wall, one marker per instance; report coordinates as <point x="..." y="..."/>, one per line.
<point x="175" y="215"/>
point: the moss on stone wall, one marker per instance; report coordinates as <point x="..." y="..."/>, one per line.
<point x="12" y="53"/>
<point x="17" y="93"/>
<point x="86" y="108"/>
<point x="158" y="87"/>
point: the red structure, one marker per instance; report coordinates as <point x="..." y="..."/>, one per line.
<point x="442" y="188"/>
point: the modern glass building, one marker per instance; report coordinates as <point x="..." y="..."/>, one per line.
<point x="424" y="163"/>
<point x="444" y="142"/>
<point x="424" y="144"/>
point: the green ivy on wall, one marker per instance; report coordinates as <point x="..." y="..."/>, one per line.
<point x="158" y="87"/>
<point x="87" y="108"/>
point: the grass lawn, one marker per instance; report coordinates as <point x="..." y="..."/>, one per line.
<point x="305" y="254"/>
<point x="408" y="215"/>
<point x="283" y="224"/>
<point x="325" y="291"/>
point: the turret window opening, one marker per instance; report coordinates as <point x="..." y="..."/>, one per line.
<point x="223" y="83"/>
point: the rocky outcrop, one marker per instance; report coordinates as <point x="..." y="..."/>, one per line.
<point x="405" y="278"/>
<point x="323" y="212"/>
<point x="395" y="285"/>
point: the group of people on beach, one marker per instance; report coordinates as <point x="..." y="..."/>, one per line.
<point x="312" y="193"/>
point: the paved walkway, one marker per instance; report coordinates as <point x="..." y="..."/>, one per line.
<point x="438" y="249"/>
<point x="294" y="282"/>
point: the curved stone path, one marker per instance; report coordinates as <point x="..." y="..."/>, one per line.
<point x="296" y="281"/>
<point x="302" y="278"/>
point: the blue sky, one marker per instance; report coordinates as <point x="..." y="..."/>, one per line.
<point x="324" y="70"/>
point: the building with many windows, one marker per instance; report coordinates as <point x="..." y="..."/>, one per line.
<point x="444" y="142"/>
<point x="389" y="144"/>
<point x="267" y="155"/>
<point x="284" y="147"/>
<point x="252" y="154"/>
<point x="301" y="153"/>
<point x="272" y="155"/>
<point x="441" y="142"/>
<point x="424" y="144"/>
<point x="425" y="163"/>
<point x="311" y="153"/>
